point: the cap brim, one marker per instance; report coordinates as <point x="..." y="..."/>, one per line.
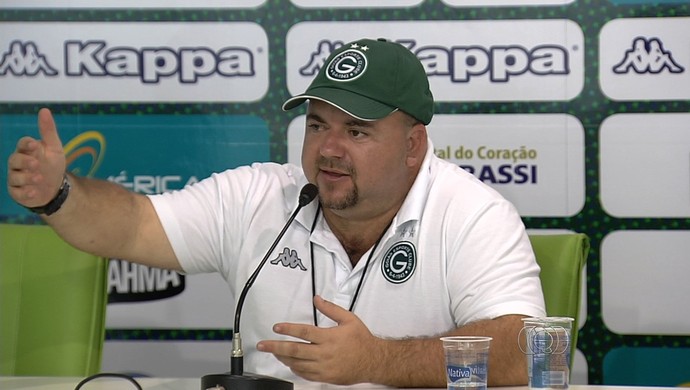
<point x="355" y="105"/>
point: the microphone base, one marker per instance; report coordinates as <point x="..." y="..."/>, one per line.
<point x="246" y="381"/>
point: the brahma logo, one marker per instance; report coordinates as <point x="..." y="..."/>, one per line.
<point x="469" y="60"/>
<point x="113" y="62"/>
<point x="130" y="282"/>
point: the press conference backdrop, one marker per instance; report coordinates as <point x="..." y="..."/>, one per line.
<point x="576" y="111"/>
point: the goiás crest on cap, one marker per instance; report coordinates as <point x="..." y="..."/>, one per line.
<point x="349" y="64"/>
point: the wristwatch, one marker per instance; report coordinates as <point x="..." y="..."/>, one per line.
<point x="55" y="204"/>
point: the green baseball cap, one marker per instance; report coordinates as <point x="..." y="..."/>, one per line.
<point x="371" y="79"/>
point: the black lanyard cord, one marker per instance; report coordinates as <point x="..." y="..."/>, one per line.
<point x="364" y="271"/>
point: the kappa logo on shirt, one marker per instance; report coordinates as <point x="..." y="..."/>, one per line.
<point x="289" y="259"/>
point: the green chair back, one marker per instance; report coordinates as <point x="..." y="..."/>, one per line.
<point x="52" y="303"/>
<point x="561" y="258"/>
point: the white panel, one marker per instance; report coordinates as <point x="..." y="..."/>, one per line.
<point x="645" y="59"/>
<point x="167" y="359"/>
<point x="644" y="282"/>
<point x="206" y="302"/>
<point x="645" y="165"/>
<point x="475" y="60"/>
<point x="147" y="62"/>
<point x="579" y="375"/>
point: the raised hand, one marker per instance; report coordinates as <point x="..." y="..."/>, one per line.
<point x="36" y="168"/>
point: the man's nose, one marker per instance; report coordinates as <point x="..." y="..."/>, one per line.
<point x="332" y="144"/>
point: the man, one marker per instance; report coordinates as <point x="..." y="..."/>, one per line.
<point x="400" y="248"/>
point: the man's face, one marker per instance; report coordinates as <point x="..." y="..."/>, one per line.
<point x="356" y="164"/>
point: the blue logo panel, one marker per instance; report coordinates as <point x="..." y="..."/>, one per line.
<point x="147" y="154"/>
<point x="647" y="366"/>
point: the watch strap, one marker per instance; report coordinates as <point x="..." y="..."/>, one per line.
<point x="57" y="202"/>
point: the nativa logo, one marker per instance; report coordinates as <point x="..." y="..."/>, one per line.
<point x="96" y="58"/>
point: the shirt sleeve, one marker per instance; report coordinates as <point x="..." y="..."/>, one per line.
<point x="491" y="268"/>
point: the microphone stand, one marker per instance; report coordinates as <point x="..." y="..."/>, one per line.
<point x="237" y="379"/>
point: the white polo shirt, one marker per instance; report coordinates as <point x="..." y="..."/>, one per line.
<point x="455" y="253"/>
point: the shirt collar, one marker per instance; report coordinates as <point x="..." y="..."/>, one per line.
<point x="413" y="206"/>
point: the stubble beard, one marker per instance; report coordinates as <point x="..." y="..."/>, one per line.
<point x="350" y="199"/>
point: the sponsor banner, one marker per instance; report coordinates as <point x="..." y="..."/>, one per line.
<point x="131" y="4"/>
<point x="503" y="3"/>
<point x="645" y="274"/>
<point x="151" y="154"/>
<point x="536" y="161"/>
<point x="482" y="60"/>
<point x="644" y="165"/>
<point x="355" y="3"/>
<point x="131" y="61"/>
<point x="645" y="59"/>
<point x="147" y="154"/>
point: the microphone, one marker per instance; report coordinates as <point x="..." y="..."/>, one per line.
<point x="236" y="379"/>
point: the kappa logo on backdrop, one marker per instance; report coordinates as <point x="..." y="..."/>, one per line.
<point x="647" y="56"/>
<point x="24" y="59"/>
<point x="150" y="64"/>
<point x="462" y="63"/>
<point x="318" y="57"/>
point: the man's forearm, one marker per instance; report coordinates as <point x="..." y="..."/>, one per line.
<point x="410" y="363"/>
<point x="106" y="219"/>
<point x="421" y="362"/>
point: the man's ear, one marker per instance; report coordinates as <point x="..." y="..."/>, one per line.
<point x="416" y="145"/>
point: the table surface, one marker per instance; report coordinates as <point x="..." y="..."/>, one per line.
<point x="66" y="383"/>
